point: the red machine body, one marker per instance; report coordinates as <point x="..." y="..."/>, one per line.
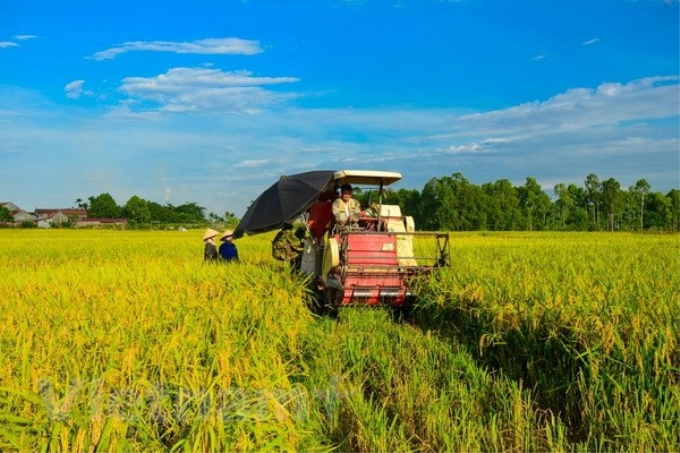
<point x="371" y="273"/>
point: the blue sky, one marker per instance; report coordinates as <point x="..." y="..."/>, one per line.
<point x="210" y="102"/>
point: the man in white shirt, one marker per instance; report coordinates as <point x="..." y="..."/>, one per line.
<point x="346" y="210"/>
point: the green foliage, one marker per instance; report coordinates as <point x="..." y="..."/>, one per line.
<point x="453" y="203"/>
<point x="503" y="210"/>
<point x="535" y="205"/>
<point x="137" y="210"/>
<point x="105" y="207"/>
<point x="659" y="211"/>
<point x="5" y="215"/>
<point x="163" y="214"/>
<point x="189" y="212"/>
<point x="674" y="197"/>
<point x="141" y="211"/>
<point x="81" y="204"/>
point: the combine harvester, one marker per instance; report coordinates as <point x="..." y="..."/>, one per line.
<point x="373" y="261"/>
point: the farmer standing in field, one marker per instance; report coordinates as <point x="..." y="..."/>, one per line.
<point x="210" y="250"/>
<point x="228" y="250"/>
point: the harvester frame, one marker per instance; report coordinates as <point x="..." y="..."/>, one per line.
<point x="371" y="262"/>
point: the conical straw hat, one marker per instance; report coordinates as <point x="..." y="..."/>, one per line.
<point x="210" y="233"/>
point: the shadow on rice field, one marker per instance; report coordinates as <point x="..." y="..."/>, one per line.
<point x="546" y="362"/>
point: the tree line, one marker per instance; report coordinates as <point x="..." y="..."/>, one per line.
<point x="140" y="211"/>
<point x="452" y="203"/>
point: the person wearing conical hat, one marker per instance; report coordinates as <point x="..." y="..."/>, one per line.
<point x="210" y="250"/>
<point x="228" y="250"/>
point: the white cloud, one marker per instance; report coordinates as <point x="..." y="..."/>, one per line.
<point x="224" y="46"/>
<point x="626" y="131"/>
<point x="482" y="146"/>
<point x="590" y="41"/>
<point x="252" y="163"/>
<point x="610" y="103"/>
<point x="8" y="44"/>
<point x="198" y="89"/>
<point x="74" y="90"/>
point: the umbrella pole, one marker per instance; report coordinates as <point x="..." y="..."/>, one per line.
<point x="380" y="200"/>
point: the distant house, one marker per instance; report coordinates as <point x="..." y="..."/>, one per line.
<point x="55" y="220"/>
<point x="46" y="218"/>
<point x="9" y="205"/>
<point x="69" y="213"/>
<point x="18" y="214"/>
<point x="102" y="223"/>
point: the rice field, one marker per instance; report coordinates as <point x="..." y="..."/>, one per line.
<point x="127" y="341"/>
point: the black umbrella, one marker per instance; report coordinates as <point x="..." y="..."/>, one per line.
<point x="286" y="199"/>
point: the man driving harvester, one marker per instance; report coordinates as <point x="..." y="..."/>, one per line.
<point x="346" y="210"/>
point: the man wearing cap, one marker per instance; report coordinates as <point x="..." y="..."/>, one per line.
<point x="210" y="250"/>
<point x="228" y="250"/>
<point x="346" y="209"/>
